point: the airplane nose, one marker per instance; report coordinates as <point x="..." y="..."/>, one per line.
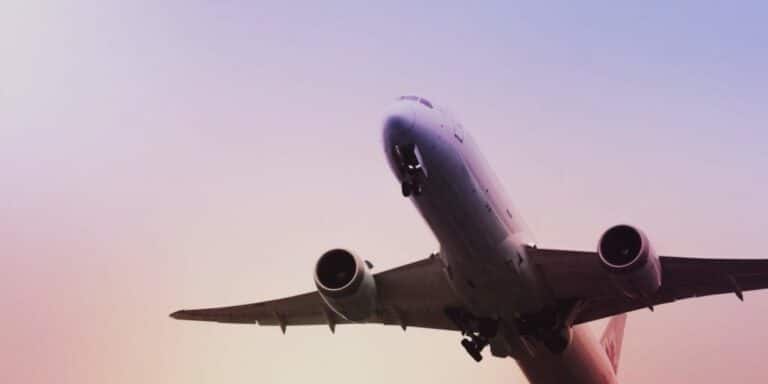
<point x="407" y="121"/>
<point x="397" y="127"/>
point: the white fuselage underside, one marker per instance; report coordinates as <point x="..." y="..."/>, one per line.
<point x="483" y="242"/>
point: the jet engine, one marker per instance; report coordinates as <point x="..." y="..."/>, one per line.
<point x="629" y="257"/>
<point x="346" y="284"/>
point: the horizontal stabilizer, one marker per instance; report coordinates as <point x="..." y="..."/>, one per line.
<point x="613" y="336"/>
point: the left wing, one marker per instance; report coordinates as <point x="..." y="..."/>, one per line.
<point x="578" y="275"/>
<point x="415" y="294"/>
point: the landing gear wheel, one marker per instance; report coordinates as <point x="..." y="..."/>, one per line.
<point x="411" y="188"/>
<point x="406" y="188"/>
<point x="476" y="332"/>
<point x="472" y="349"/>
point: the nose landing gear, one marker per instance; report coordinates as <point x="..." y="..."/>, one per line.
<point x="411" y="167"/>
<point x="411" y="187"/>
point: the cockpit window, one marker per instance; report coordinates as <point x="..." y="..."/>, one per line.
<point x="421" y="100"/>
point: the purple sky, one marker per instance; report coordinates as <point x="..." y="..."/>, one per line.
<point x="154" y="157"/>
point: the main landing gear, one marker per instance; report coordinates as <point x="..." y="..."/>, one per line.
<point x="474" y="345"/>
<point x="477" y="332"/>
<point x="551" y="327"/>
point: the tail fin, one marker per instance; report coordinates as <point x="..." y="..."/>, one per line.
<point x="612" y="339"/>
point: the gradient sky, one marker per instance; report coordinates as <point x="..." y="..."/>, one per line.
<point x="166" y="155"/>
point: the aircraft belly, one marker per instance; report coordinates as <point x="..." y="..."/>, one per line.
<point x="478" y="247"/>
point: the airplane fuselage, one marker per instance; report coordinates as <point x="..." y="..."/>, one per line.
<point x="482" y="240"/>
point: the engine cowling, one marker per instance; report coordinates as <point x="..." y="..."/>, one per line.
<point x="627" y="254"/>
<point x="346" y="284"/>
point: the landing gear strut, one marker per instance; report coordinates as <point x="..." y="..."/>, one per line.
<point x="411" y="167"/>
<point x="477" y="332"/>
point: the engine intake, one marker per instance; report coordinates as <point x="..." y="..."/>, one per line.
<point x="346" y="284"/>
<point x="627" y="254"/>
<point x="621" y="246"/>
<point x="336" y="269"/>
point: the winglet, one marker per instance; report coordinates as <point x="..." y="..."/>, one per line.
<point x="612" y="338"/>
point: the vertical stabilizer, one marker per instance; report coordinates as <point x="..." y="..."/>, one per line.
<point x="612" y="339"/>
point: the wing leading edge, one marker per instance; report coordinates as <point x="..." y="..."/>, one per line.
<point x="415" y="294"/>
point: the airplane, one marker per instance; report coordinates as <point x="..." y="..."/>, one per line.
<point x="489" y="281"/>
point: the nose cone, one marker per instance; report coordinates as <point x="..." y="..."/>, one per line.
<point x="398" y="125"/>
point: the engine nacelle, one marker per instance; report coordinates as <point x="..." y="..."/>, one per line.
<point x="346" y="284"/>
<point x="629" y="257"/>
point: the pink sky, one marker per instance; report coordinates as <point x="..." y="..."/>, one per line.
<point x="160" y="157"/>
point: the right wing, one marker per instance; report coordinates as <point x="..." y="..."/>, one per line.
<point x="415" y="294"/>
<point x="578" y="275"/>
<point x="684" y="278"/>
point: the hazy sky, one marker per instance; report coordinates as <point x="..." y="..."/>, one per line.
<point x="179" y="154"/>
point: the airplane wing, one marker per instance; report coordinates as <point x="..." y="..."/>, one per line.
<point x="415" y="294"/>
<point x="578" y="275"/>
